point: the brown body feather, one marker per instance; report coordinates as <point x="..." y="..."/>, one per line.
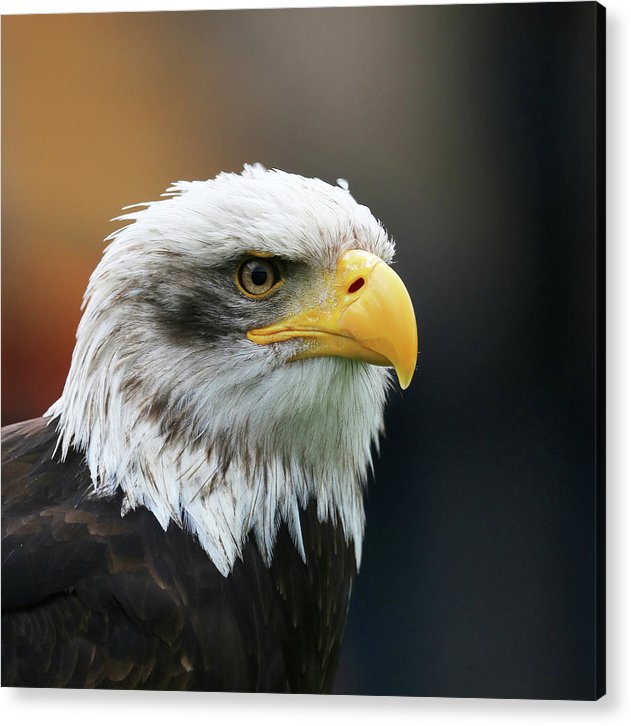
<point x="92" y="599"/>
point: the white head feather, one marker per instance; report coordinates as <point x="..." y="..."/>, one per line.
<point x="211" y="431"/>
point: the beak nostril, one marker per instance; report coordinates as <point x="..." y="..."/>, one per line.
<point x="356" y="285"/>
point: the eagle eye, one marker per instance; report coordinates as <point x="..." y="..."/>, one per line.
<point x="258" y="276"/>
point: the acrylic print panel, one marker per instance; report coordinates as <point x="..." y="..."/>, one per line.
<point x="475" y="134"/>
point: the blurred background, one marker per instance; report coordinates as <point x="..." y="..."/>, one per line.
<point x="469" y="131"/>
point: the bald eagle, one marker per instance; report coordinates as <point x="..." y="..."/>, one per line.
<point x="189" y="514"/>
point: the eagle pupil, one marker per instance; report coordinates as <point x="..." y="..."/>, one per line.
<point x="259" y="276"/>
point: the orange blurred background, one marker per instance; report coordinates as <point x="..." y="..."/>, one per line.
<point x="96" y="115"/>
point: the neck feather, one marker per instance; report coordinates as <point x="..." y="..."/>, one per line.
<point x="227" y="448"/>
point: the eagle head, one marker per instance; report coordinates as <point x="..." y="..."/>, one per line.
<point x="232" y="359"/>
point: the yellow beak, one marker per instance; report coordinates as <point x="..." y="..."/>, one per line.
<point x="365" y="314"/>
